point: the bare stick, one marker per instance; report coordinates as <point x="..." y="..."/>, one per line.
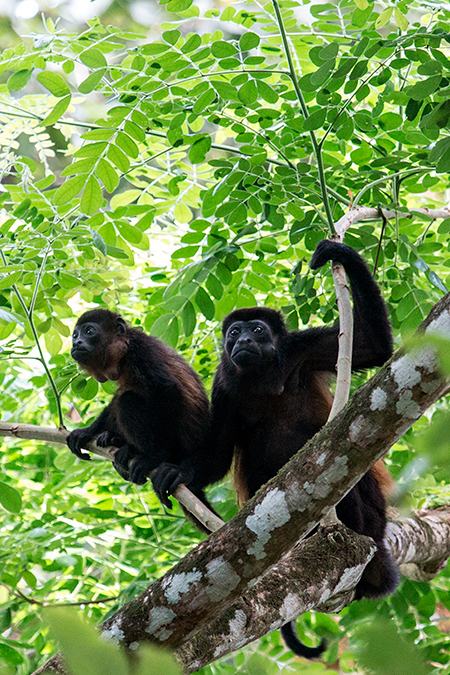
<point x="52" y="435"/>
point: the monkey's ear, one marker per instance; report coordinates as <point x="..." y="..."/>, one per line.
<point x="121" y="326"/>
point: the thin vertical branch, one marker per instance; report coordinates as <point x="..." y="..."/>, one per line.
<point x="28" y="311"/>
<point x="304" y="107"/>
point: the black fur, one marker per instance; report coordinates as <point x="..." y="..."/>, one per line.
<point x="271" y="395"/>
<point x="159" y="416"/>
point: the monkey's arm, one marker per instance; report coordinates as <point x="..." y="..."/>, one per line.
<point x="79" y="438"/>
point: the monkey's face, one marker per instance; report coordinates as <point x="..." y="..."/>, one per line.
<point x="87" y="343"/>
<point x="250" y="343"/>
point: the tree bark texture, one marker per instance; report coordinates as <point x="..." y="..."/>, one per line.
<point x="224" y="567"/>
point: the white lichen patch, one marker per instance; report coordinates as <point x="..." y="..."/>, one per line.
<point x="113" y="634"/>
<point x="178" y="584"/>
<point x="406" y="371"/>
<point x="236" y="637"/>
<point x="272" y="513"/>
<point x="324" y="483"/>
<point x="440" y="325"/>
<point x="360" y="431"/>
<point x="222" y="579"/>
<point x="407" y="407"/>
<point x="133" y="646"/>
<point x="378" y="399"/>
<point x="291" y="608"/>
<point x="350" y="577"/>
<point x="321" y="458"/>
<point x="430" y="387"/>
<point x="160" y="617"/>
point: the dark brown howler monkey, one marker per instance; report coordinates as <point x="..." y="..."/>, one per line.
<point x="271" y="395"/>
<point x="159" y="416"/>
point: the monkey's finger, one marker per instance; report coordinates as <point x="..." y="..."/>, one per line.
<point x="81" y="455"/>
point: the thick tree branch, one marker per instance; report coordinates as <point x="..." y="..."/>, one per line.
<point x="221" y="569"/>
<point x="320" y="573"/>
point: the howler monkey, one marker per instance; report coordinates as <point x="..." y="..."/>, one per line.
<point x="271" y="395"/>
<point x="159" y="416"/>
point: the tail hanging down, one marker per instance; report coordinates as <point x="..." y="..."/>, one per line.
<point x="290" y="637"/>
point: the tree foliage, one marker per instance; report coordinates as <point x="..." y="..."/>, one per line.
<point x="176" y="179"/>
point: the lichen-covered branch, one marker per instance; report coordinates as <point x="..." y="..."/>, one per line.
<point x="321" y="573"/>
<point x="221" y="569"/>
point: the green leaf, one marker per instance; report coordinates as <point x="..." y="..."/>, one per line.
<point x="129" y="232"/>
<point x="191" y="43"/>
<point x="107" y="174"/>
<point x="400" y="19"/>
<point x="8" y="280"/>
<point x="98" y="241"/>
<point x="69" y="189"/>
<point x="222" y="49"/>
<point x="399" y="654"/>
<point x="214" y="286"/>
<point x="362" y="4"/>
<point x="384" y="17"/>
<point x="316" y="120"/>
<point x="53" y="342"/>
<point x="127" y="144"/>
<point x="92" y="198"/>
<point x="91" y="82"/>
<point x="55" y="84"/>
<point x="10" y="498"/>
<point x="423" y="89"/>
<point x="249" y="41"/>
<point x="80" y="166"/>
<point x="9" y="317"/>
<point x="178" y="5"/>
<point x="248" y="93"/>
<point x="171" y="36"/>
<point x="83" y="649"/>
<point x="19" y="79"/>
<point x="118" y="158"/>
<point x="57" y="112"/>
<point x="93" y="58"/>
<point x="199" y="149"/>
<point x="204" y="101"/>
<point x="188" y="317"/>
<point x="205" y="304"/>
<point x="266" y="92"/>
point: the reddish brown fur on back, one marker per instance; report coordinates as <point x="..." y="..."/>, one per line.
<point x="384" y="478"/>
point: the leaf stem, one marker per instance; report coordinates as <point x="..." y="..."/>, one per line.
<point x="304" y="107"/>
<point x="28" y="311"/>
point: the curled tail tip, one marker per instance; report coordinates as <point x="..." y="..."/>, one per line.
<point x="290" y="637"/>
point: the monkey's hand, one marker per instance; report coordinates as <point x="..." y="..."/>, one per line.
<point x="167" y="478"/>
<point x="330" y="250"/>
<point x="106" y="438"/>
<point x="77" y="439"/>
<point x="122" y="457"/>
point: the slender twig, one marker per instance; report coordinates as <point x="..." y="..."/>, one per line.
<point x="41" y="603"/>
<point x="301" y="100"/>
<point x="52" y="435"/>
<point x="383" y="228"/>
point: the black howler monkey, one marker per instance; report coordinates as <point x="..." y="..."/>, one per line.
<point x="159" y="416"/>
<point x="271" y="395"/>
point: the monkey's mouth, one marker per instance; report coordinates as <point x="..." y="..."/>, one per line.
<point x="245" y="355"/>
<point x="79" y="354"/>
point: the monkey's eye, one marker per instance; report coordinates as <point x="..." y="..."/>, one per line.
<point x="89" y="330"/>
<point x="234" y="331"/>
<point x="258" y="329"/>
